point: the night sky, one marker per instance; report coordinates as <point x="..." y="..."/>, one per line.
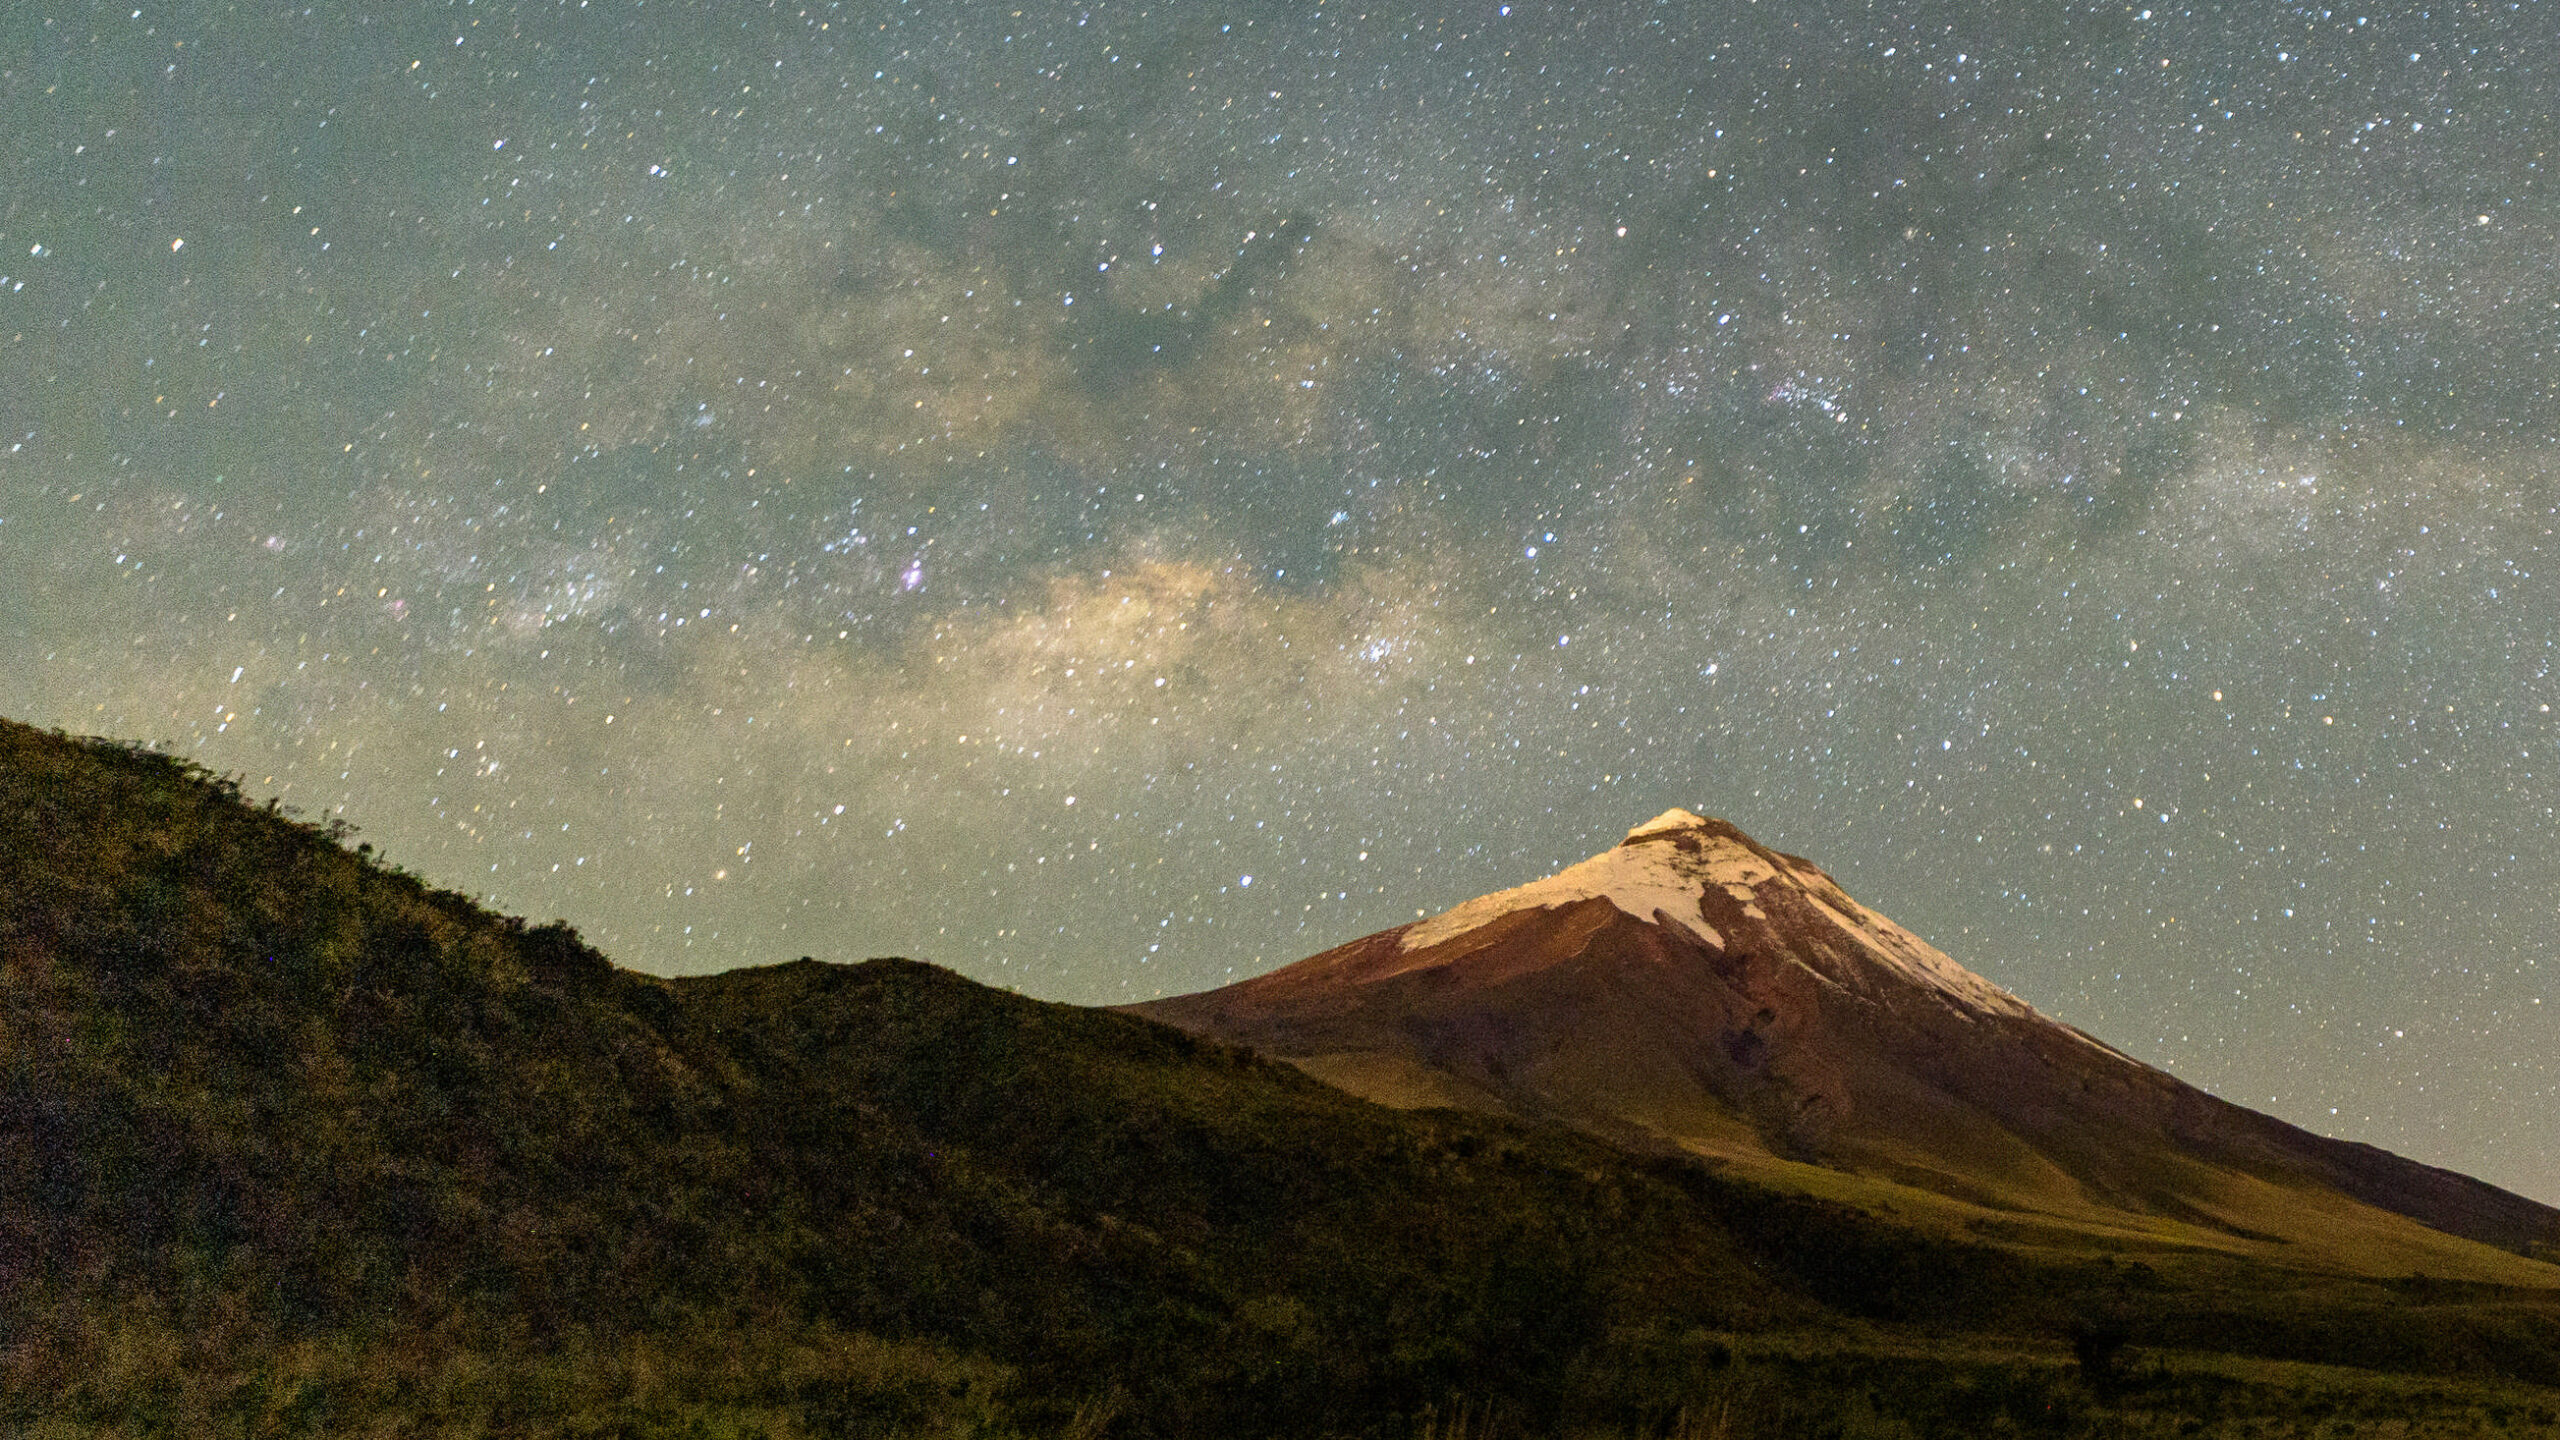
<point x="1115" y="499"/>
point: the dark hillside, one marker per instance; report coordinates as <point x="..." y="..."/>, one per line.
<point x="242" y="1063"/>
<point x="1275" y="1246"/>
<point x="267" y="1090"/>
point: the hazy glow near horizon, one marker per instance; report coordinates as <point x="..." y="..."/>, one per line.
<point x="927" y="479"/>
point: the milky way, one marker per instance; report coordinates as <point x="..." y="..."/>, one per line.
<point x="1117" y="499"/>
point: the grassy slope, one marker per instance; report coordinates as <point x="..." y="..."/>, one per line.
<point x="259" y="1092"/>
<point x="1302" y="1253"/>
<point x="293" y="1143"/>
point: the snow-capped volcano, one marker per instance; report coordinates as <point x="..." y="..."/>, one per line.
<point x="1692" y="989"/>
<point x="1667" y="867"/>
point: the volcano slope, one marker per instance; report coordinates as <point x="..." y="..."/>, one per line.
<point x="1692" y="990"/>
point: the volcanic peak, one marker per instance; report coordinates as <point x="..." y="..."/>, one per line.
<point x="1669" y="822"/>
<point x="1677" y="867"/>
<point x="1690" y="987"/>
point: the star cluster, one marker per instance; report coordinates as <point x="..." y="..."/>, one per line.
<point x="1115" y="498"/>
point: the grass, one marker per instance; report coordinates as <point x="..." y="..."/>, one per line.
<point x="1803" y="1386"/>
<point x="732" y="1383"/>
<point x="143" y="1378"/>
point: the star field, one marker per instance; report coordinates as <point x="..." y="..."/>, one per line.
<point x="1117" y="498"/>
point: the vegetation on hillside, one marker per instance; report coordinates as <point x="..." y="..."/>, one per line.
<point x="293" y="1143"/>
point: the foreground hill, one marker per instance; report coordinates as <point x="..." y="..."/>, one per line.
<point x="255" y="1088"/>
<point x="291" y="1143"/>
<point x="1694" y="990"/>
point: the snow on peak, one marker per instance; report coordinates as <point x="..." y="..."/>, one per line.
<point x="1914" y="959"/>
<point x="1654" y="883"/>
<point x="1661" y="872"/>
<point x="1669" y="822"/>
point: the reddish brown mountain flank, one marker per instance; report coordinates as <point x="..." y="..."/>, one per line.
<point x="1692" y="989"/>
